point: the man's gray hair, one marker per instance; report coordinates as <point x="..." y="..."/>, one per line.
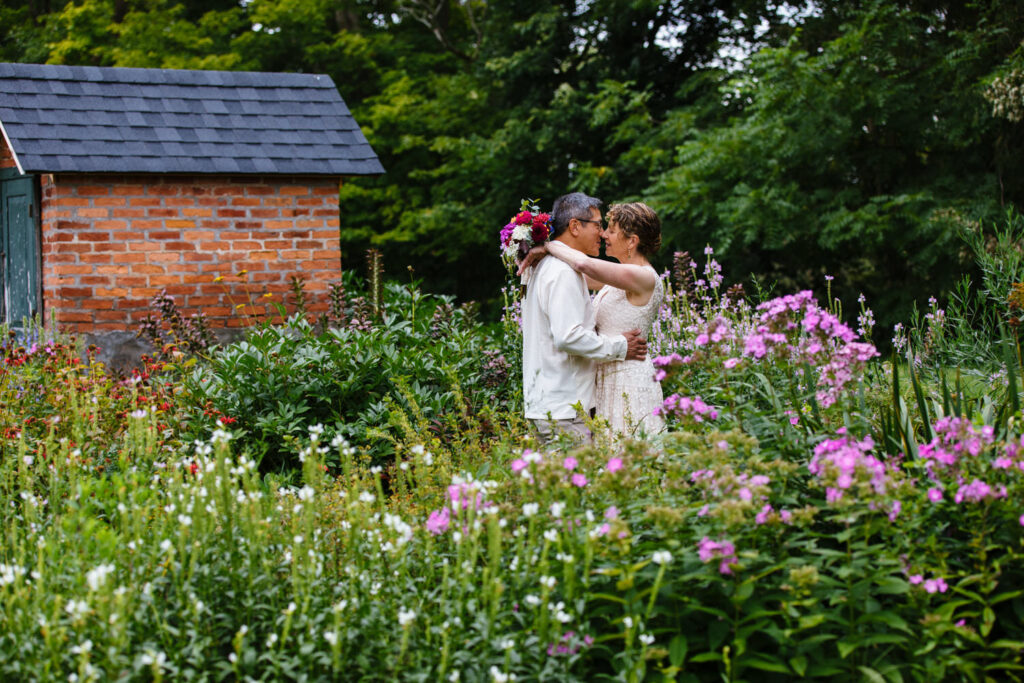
<point x="569" y="206"/>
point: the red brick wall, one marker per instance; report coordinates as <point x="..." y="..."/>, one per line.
<point x="217" y="244"/>
<point x="6" y="159"/>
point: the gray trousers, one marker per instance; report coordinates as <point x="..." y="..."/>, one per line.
<point x="548" y="430"/>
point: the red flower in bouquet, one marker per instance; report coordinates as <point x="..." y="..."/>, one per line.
<point x="527" y="229"/>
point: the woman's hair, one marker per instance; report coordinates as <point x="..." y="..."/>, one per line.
<point x="636" y="218"/>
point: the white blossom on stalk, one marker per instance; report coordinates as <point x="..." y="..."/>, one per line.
<point x="530" y="509"/>
<point x="76" y="608"/>
<point x="556" y="509"/>
<point x="661" y="557"/>
<point x="97" y="576"/>
<point x="646" y="638"/>
<point x="548" y="581"/>
<point x="405" y="617"/>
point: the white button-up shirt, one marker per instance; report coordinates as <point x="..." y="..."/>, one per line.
<point x="560" y="346"/>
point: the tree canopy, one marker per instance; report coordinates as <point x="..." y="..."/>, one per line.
<point x="854" y="138"/>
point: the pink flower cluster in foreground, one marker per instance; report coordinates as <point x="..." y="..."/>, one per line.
<point x="567" y="646"/>
<point x="960" y="451"/>
<point x="842" y="463"/>
<point x="795" y="327"/>
<point x="723" y="551"/>
<point x="686" y="407"/>
<point x="462" y="496"/>
<point x="936" y="585"/>
<point x="791" y="328"/>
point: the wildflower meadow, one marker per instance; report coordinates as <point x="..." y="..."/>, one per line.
<point x="356" y="496"/>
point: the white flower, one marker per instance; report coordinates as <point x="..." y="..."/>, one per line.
<point x="530" y="509"/>
<point x="405" y="617"/>
<point x="85" y="647"/>
<point x="138" y="414"/>
<point x="306" y="493"/>
<point x="316" y="430"/>
<point x="220" y="436"/>
<point x="366" y="497"/>
<point x="166" y="545"/>
<point x="151" y="658"/>
<point x="98" y="576"/>
<point x="290" y="609"/>
<point x="556" y="509"/>
<point x="498" y="677"/>
<point x="531" y="600"/>
<point x="506" y="644"/>
<point x="628" y="622"/>
<point x="548" y="581"/>
<point x="551" y="535"/>
<point x="271" y="640"/>
<point x="646" y="638"/>
<point x="661" y="557"/>
<point x="76" y="608"/>
<point x="454" y="677"/>
<point x="331" y="637"/>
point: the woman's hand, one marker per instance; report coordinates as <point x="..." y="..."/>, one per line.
<point x="532" y="256"/>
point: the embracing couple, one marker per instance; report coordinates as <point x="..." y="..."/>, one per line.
<point x="589" y="356"/>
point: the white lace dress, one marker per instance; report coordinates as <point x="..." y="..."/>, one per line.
<point x="627" y="393"/>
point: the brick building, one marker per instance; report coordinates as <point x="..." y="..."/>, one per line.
<point x="116" y="184"/>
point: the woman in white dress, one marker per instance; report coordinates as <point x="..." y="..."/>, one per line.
<point x="631" y="293"/>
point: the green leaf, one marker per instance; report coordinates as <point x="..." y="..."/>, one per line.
<point x="799" y="664"/>
<point x="871" y="675"/>
<point x="764" y="663"/>
<point x="677" y="650"/>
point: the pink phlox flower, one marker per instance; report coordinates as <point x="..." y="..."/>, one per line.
<point x="437" y="522"/>
<point x="935" y="494"/>
<point x="916" y="579"/>
<point x="518" y="465"/>
<point x="611" y="513"/>
<point x="709" y="550"/>
<point x="978" y="491"/>
<point x="579" y="480"/>
<point x="570" y="463"/>
<point x="786" y="516"/>
<point x="464" y="495"/>
<point x="614" y="465"/>
<point x="730" y="363"/>
<point x="762" y="516"/>
<point x="935" y="585"/>
<point x="897" y="506"/>
<point x="1002" y="463"/>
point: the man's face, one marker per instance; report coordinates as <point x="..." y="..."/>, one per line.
<point x="589" y="239"/>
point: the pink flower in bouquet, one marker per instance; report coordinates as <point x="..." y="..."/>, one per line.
<point x="524" y="218"/>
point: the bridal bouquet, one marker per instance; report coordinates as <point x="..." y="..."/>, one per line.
<point x="527" y="229"/>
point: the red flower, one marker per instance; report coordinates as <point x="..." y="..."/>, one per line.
<point x="193" y="468"/>
<point x="227" y="420"/>
<point x="541" y="219"/>
<point x="540" y="233"/>
<point x="524" y="218"/>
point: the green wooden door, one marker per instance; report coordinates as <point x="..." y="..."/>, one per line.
<point x="19" y="248"/>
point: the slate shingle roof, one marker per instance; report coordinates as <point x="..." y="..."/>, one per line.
<point x="114" y="120"/>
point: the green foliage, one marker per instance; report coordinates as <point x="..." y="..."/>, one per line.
<point x="419" y="354"/>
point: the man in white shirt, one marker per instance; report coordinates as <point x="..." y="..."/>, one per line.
<point x="560" y="346"/>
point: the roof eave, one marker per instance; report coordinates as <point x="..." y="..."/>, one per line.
<point x="10" y="146"/>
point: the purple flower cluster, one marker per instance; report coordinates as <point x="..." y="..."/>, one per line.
<point x="686" y="408"/>
<point x="795" y="327"/>
<point x="723" y="551"/>
<point x="569" y="644"/>
<point x="843" y="463"/>
<point x="961" y="454"/>
<point x="463" y="497"/>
